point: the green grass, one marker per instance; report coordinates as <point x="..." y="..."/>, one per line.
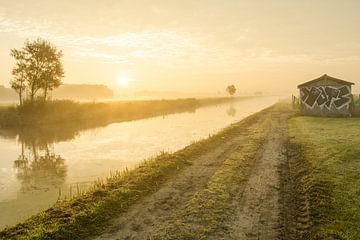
<point x="330" y="148"/>
<point x="89" y="214"/>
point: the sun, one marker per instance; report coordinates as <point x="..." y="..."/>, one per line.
<point x="122" y="80"/>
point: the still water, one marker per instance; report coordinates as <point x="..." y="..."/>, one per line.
<point x="38" y="167"/>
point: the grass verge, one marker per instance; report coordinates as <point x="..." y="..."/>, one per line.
<point x="89" y="214"/>
<point x="209" y="209"/>
<point x="328" y="174"/>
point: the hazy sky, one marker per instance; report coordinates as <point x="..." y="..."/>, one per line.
<point x="190" y="46"/>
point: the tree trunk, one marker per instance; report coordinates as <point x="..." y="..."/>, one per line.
<point x="32" y="96"/>
<point x="20" y="97"/>
<point x="45" y="94"/>
<point x="22" y="151"/>
<point x="34" y="151"/>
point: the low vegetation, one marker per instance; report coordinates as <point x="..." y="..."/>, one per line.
<point x="208" y="209"/>
<point x="327" y="173"/>
<point x="60" y="112"/>
<point x="89" y="214"/>
<point x="324" y="169"/>
<point x="355" y="111"/>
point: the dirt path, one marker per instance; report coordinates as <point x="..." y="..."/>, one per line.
<point x="256" y="207"/>
<point x="141" y="219"/>
<point x="257" y="214"/>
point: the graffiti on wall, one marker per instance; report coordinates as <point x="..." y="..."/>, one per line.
<point x="325" y="96"/>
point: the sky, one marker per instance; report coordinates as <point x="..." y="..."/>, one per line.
<point x="190" y="45"/>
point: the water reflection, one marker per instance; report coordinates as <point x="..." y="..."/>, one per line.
<point x="36" y="173"/>
<point x="36" y="163"/>
<point x="231" y="111"/>
<point x="39" y="168"/>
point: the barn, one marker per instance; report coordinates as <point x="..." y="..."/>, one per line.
<point x="326" y="96"/>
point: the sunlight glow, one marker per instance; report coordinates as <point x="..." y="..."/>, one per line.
<point x="123" y="81"/>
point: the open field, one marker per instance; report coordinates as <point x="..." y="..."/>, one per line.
<point x="325" y="155"/>
<point x="65" y="111"/>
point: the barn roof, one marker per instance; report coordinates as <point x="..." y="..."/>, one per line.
<point x="326" y="78"/>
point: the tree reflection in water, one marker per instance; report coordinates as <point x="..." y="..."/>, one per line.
<point x="39" y="168"/>
<point x="231" y="111"/>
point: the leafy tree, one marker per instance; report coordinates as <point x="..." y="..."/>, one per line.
<point x="18" y="83"/>
<point x="231" y="89"/>
<point x="38" y="64"/>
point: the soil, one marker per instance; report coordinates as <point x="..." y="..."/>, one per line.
<point x="139" y="221"/>
<point x="263" y="207"/>
<point x="257" y="211"/>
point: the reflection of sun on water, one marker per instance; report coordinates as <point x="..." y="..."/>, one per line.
<point x="123" y="80"/>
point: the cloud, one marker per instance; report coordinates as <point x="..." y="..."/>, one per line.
<point x="161" y="46"/>
<point x="165" y="47"/>
<point x="25" y="28"/>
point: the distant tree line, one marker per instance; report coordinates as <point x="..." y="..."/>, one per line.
<point x="38" y="70"/>
<point x="67" y="91"/>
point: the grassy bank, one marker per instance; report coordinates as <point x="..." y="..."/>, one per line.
<point x="89" y="214"/>
<point x="60" y="112"/>
<point x="328" y="173"/>
<point x="208" y="209"/>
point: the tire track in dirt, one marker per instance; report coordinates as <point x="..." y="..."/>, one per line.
<point x="295" y="200"/>
<point x="261" y="208"/>
<point x="143" y="217"/>
<point x="257" y="214"/>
